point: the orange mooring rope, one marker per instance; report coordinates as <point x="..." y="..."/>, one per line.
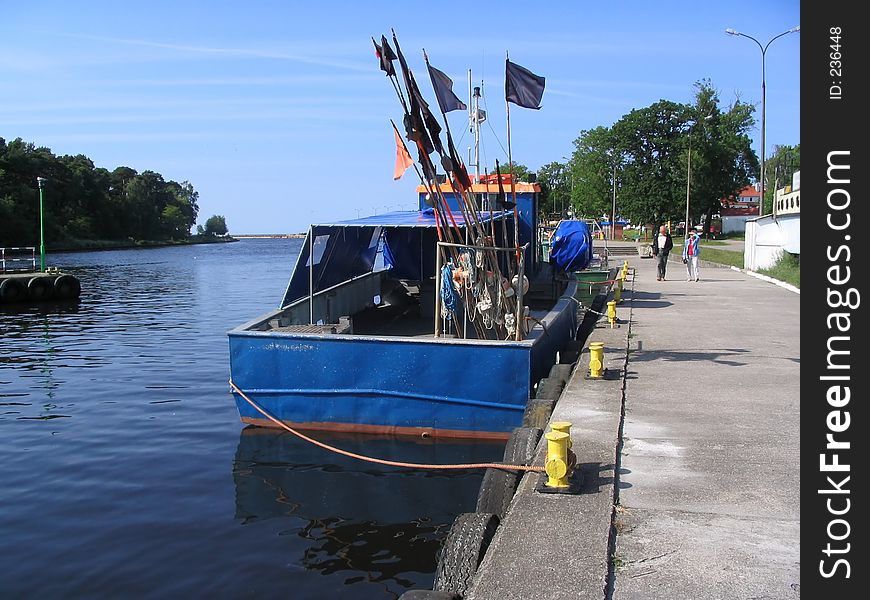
<point x="380" y="461"/>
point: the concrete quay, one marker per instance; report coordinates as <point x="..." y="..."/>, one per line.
<point x="690" y="457"/>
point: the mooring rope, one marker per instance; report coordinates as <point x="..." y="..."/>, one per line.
<point x="380" y="461"/>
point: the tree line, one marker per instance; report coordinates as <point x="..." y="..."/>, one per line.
<point x="649" y="155"/>
<point x="83" y="202"/>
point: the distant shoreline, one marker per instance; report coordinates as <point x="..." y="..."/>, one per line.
<point x="97" y="245"/>
<point x="268" y="235"/>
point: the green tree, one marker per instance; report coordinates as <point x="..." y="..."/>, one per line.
<point x="554" y="179"/>
<point x="648" y="150"/>
<point x="216" y="225"/>
<point x="786" y="160"/>
<point x="723" y="162"/>
<point x="591" y="172"/>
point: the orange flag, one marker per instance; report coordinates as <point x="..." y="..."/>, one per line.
<point x="403" y="159"/>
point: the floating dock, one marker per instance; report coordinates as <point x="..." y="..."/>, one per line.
<point x="21" y="282"/>
<point x="17" y="288"/>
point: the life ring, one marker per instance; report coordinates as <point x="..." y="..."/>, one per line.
<point x="12" y="290"/>
<point x="67" y="287"/>
<point x="40" y="288"/>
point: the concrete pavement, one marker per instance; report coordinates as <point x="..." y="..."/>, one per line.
<point x="690" y="457"/>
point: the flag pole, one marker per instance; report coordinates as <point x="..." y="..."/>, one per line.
<point x="511" y="170"/>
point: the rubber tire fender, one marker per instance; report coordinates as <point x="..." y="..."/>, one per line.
<point x="67" y="287"/>
<point x="549" y="388"/>
<point x="12" y="290"/>
<point x="538" y="412"/>
<point x="521" y="445"/>
<point x="496" y="491"/>
<point x="463" y="550"/>
<point x="428" y="595"/>
<point x="40" y="288"/>
<point x="561" y="372"/>
<point x="500" y="485"/>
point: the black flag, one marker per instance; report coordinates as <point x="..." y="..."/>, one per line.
<point x="522" y="87"/>
<point x="443" y="86"/>
<point x="385" y="56"/>
<point x="500" y="199"/>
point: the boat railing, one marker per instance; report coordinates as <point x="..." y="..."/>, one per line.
<point x="520" y="252"/>
<point x="15" y="260"/>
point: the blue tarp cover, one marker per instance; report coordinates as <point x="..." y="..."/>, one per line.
<point x="571" y="246"/>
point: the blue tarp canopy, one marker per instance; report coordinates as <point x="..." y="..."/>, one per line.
<point x="571" y="246"/>
<point x="349" y="249"/>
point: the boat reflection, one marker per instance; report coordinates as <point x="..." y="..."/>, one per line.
<point x="380" y="523"/>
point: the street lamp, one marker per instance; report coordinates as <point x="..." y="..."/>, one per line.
<point x="763" y="49"/>
<point x="689" y="173"/>
<point x="40" y="181"/>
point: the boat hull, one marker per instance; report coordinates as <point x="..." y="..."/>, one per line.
<point x="440" y="387"/>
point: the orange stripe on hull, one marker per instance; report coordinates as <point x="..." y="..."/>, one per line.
<point x="419" y="432"/>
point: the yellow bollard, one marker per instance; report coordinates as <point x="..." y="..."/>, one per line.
<point x="557" y="459"/>
<point x="596" y="359"/>
<point x="562" y="427"/>
<point x="617" y="292"/>
<point x="565" y="427"/>
<point x="611" y="313"/>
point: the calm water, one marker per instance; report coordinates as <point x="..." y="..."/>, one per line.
<point x="125" y="471"/>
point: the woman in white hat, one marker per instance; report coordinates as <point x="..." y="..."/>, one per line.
<point x="691" y="250"/>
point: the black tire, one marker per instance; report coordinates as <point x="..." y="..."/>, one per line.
<point x="463" y="549"/>
<point x="549" y="388"/>
<point x="496" y="491"/>
<point x="67" y="287"/>
<point x="574" y="345"/>
<point x="428" y="595"/>
<point x="12" y="290"/>
<point x="40" y="288"/>
<point x="569" y="357"/>
<point x="537" y="413"/>
<point x="521" y="445"/>
<point x="561" y="372"/>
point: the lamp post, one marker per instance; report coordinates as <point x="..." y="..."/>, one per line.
<point x="763" y="49"/>
<point x="613" y="211"/>
<point x="40" y="181"/>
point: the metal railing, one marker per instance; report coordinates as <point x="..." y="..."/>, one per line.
<point x="14" y="260"/>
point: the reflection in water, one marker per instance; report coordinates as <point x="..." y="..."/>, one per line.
<point x="117" y="429"/>
<point x="378" y="523"/>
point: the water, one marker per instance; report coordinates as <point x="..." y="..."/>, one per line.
<point x="125" y="471"/>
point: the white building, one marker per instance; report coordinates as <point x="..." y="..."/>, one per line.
<point x="767" y="237"/>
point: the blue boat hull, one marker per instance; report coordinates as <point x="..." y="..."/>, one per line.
<point x="439" y="387"/>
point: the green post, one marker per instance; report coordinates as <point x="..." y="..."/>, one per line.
<point x="40" y="181"/>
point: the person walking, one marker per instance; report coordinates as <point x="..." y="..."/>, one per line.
<point x="691" y="250"/>
<point x="661" y="248"/>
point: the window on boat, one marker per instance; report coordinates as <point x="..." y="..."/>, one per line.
<point x="320" y="243"/>
<point x="382" y="261"/>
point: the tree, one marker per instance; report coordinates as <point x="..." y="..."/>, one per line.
<point x="555" y="188"/>
<point x="591" y="172"/>
<point x="647" y="144"/>
<point x="786" y="160"/>
<point x="215" y="225"/>
<point x="723" y="162"/>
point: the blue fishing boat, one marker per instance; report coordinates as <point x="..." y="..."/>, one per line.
<point x="434" y="322"/>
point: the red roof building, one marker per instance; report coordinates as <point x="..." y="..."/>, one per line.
<point x="744" y="205"/>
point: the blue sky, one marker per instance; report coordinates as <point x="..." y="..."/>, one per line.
<point x="277" y="113"/>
